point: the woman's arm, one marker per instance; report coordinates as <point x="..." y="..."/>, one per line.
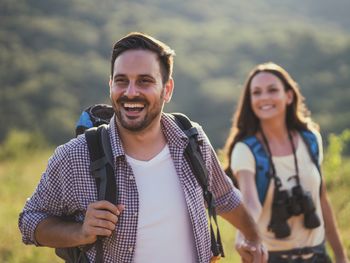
<point x="246" y="182"/>
<point x="332" y="233"/>
<point x="250" y="197"/>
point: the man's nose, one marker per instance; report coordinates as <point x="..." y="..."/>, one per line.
<point x="132" y="90"/>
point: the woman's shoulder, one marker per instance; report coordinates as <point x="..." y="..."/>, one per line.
<point x="242" y="158"/>
<point x="241" y="148"/>
<point x="313" y="140"/>
<point x="313" y="133"/>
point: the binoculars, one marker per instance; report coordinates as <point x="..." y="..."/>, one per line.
<point x="285" y="205"/>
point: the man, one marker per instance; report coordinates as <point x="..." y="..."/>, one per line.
<point x="160" y="213"/>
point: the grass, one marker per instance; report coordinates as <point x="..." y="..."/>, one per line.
<point x="20" y="175"/>
<point x="18" y="180"/>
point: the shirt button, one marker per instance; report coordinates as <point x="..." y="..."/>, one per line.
<point x="135" y="214"/>
<point x="131" y="177"/>
<point x="131" y="249"/>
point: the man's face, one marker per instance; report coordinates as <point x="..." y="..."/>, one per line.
<point x="137" y="91"/>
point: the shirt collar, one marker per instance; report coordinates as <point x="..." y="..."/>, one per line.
<point x="174" y="135"/>
<point x="117" y="147"/>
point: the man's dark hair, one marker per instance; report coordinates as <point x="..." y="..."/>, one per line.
<point x="137" y="41"/>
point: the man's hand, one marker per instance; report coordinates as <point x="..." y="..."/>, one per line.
<point x="100" y="220"/>
<point x="252" y="252"/>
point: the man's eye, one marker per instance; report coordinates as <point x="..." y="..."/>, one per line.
<point x="121" y="81"/>
<point x="146" y="80"/>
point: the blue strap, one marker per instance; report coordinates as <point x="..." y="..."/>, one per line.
<point x="262" y="166"/>
<point x="310" y="140"/>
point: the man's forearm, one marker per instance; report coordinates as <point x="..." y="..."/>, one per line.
<point x="243" y="221"/>
<point x="56" y="233"/>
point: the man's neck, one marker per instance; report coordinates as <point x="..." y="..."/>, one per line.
<point x="143" y="145"/>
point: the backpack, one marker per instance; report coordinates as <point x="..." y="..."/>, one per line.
<point x="93" y="123"/>
<point x="262" y="164"/>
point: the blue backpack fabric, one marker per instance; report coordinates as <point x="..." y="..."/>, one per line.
<point x="262" y="164"/>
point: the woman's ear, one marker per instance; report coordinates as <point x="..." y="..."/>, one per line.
<point x="290" y="96"/>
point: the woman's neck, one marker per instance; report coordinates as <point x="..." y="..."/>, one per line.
<point x="276" y="132"/>
<point x="278" y="138"/>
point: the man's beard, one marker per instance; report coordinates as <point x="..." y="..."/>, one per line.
<point x="136" y="126"/>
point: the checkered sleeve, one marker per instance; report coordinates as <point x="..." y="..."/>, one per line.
<point x="47" y="198"/>
<point x="227" y="197"/>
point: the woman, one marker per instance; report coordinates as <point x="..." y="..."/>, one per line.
<point x="274" y="151"/>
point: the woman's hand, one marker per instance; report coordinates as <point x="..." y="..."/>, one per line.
<point x="251" y="252"/>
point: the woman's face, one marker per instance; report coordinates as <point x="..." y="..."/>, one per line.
<point x="269" y="100"/>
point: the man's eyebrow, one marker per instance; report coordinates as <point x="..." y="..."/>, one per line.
<point x="119" y="75"/>
<point x="146" y="75"/>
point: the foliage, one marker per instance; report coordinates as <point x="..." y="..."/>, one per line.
<point x="19" y="144"/>
<point x="19" y="177"/>
<point x="333" y="159"/>
<point x="54" y="57"/>
<point x="336" y="170"/>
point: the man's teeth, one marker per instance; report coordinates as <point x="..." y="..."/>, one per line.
<point x="133" y="105"/>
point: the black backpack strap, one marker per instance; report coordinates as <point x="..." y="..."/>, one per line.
<point x="195" y="159"/>
<point x="101" y="167"/>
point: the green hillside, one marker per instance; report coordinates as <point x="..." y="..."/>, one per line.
<point x="54" y="57"/>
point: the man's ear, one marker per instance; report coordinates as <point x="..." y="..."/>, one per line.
<point x="168" y="90"/>
<point x="110" y="85"/>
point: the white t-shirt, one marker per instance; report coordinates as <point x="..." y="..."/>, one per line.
<point x="164" y="232"/>
<point x="243" y="159"/>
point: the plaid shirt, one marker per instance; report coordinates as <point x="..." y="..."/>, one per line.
<point x="67" y="188"/>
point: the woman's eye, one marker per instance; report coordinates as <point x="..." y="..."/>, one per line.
<point x="273" y="90"/>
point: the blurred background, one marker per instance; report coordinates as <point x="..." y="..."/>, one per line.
<point x="55" y="55"/>
<point x="55" y="61"/>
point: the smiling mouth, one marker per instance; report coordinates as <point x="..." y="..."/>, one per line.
<point x="133" y="107"/>
<point x="266" y="107"/>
